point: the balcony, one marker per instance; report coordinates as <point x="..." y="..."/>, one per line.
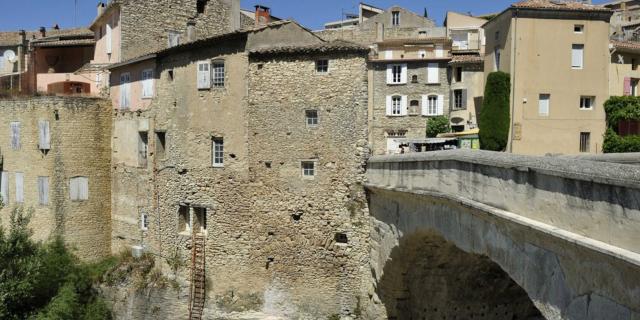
<point x="466" y="46"/>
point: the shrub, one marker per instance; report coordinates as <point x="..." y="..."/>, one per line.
<point x="437" y="125"/>
<point x="494" y="116"/>
<point x="617" y="109"/>
<point x="613" y="143"/>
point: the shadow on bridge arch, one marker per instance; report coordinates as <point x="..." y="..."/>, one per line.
<point x="428" y="277"/>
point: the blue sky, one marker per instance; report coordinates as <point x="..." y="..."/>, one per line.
<point x="311" y="13"/>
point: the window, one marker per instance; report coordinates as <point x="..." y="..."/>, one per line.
<point x="125" y="91"/>
<point x="497" y="36"/>
<point x="543" y="104"/>
<point x="147" y="83"/>
<point x="396" y="74"/>
<point x="433" y="73"/>
<point x="144" y="221"/>
<point x="217" y="147"/>
<point x="184" y="219"/>
<point x="432" y="105"/>
<point x="459" y="99"/>
<point x="395" y="18"/>
<point x="19" y="187"/>
<point x="311" y="118"/>
<point x="396" y="105"/>
<point x="200" y="5"/>
<point x="174" y="38"/>
<point x="414" y="79"/>
<point x="79" y="189"/>
<point x="586" y="103"/>
<point x="43" y="190"/>
<point x="4" y="187"/>
<point x="161" y="144"/>
<point x="143" y="148"/>
<point x="170" y="75"/>
<point x="322" y="66"/>
<point x="308" y="169"/>
<point x="458" y="74"/>
<point x="578" y="28"/>
<point x="15" y="135"/>
<point x="577" y="56"/>
<point x="414" y="107"/>
<point x="204" y="75"/>
<point x="200" y="220"/>
<point x="497" y="58"/>
<point x="218" y="74"/>
<point x="585" y="141"/>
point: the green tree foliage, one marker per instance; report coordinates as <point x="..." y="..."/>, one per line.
<point x="437" y="125"/>
<point x="44" y="280"/>
<point x="494" y="116"/>
<point x="617" y="109"/>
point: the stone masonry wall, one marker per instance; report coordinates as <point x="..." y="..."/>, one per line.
<point x="80" y="131"/>
<point x="146" y="23"/>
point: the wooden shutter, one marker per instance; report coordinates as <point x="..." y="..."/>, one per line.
<point x="627" y="86"/>
<point x="389" y="74"/>
<point x="44" y="135"/>
<point x="440" y="110"/>
<point x="389" y="105"/>
<point x="125" y="89"/>
<point x="15" y="135"/>
<point x="425" y="105"/>
<point x="19" y="187"/>
<point x="43" y="190"/>
<point x="404" y="110"/>
<point x="403" y="75"/>
<point x="4" y="187"/>
<point x="204" y="75"/>
<point x="109" y="39"/>
<point x="464" y="98"/>
<point x="433" y="73"/>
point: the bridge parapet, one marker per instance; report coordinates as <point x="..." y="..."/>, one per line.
<point x="596" y="203"/>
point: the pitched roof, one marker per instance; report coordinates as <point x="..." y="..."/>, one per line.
<point x="13" y="38"/>
<point x="65" y="43"/>
<point x="558" y="5"/>
<point x="332" y="46"/>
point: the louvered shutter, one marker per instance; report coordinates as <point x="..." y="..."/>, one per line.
<point x="15" y="135"/>
<point x="389" y="74"/>
<point x="389" y="105"/>
<point x="43" y="190"/>
<point x="433" y="73"/>
<point x="73" y="189"/>
<point x="404" y="110"/>
<point x="44" y="135"/>
<point x="440" y="110"/>
<point x="19" y="187"/>
<point x="403" y="76"/>
<point x="4" y="187"/>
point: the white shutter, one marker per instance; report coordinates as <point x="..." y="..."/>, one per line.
<point x="389" y="74"/>
<point x="389" y="105"/>
<point x="403" y="76"/>
<point x="73" y="189"/>
<point x="19" y="187"/>
<point x="204" y="75"/>
<point x="433" y="73"/>
<point x="15" y="135"/>
<point x="109" y="39"/>
<point x="44" y="135"/>
<point x="4" y="187"/>
<point x="43" y="190"/>
<point x="125" y="91"/>
<point x="147" y="83"/>
<point x="425" y="105"/>
<point x="577" y="56"/>
<point x="404" y="109"/>
<point x="440" y="111"/>
<point x="83" y="191"/>
<point x="464" y="98"/>
<point x="439" y="51"/>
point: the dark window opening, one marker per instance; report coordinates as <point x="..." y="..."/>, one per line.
<point x="585" y="141"/>
<point x="341" y="238"/>
<point x="322" y="66"/>
<point x="414" y="79"/>
<point x="170" y="73"/>
<point x="201" y="4"/>
<point x="296" y="216"/>
<point x="161" y="144"/>
<point x="459" y="74"/>
<point x="143" y="146"/>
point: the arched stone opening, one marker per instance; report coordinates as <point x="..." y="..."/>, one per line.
<point x="427" y="277"/>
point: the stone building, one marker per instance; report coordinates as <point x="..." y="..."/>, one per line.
<point x="13" y="50"/>
<point x="557" y="83"/>
<point x="54" y="158"/>
<point x="255" y="140"/>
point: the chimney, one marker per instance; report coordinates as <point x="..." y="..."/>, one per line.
<point x="56" y="27"/>
<point x="43" y="32"/>
<point x="263" y="15"/>
<point x="101" y="7"/>
<point x="191" y="31"/>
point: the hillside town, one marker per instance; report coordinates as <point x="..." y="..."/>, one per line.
<point x="239" y="151"/>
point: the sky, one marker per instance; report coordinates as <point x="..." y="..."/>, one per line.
<point x="310" y="13"/>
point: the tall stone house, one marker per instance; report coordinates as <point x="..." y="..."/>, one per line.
<point x="557" y="83"/>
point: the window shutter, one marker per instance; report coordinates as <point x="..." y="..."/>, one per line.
<point x="109" y="39"/>
<point x="44" y="135"/>
<point x="204" y="75"/>
<point x="577" y="53"/>
<point x="433" y="73"/>
<point x="464" y="98"/>
<point x="83" y="191"/>
<point x="425" y="105"/>
<point x="389" y="74"/>
<point x="4" y="187"/>
<point x="404" y="110"/>
<point x="403" y="76"/>
<point x="73" y="189"/>
<point x="389" y="105"/>
<point x="15" y="135"/>
<point x="440" y="111"/>
<point x="43" y="190"/>
<point x="19" y="187"/>
<point x="124" y="91"/>
<point x="452" y="99"/>
<point x="627" y="86"/>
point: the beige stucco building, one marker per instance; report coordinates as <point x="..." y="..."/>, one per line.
<point x="558" y="83"/>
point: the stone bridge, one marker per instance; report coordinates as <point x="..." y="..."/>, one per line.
<point x="482" y="235"/>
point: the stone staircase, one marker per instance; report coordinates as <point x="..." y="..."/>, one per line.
<point x="197" y="293"/>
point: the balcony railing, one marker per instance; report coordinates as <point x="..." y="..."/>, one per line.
<point x="466" y="45"/>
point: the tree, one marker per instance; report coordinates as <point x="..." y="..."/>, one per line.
<point x="437" y="125"/>
<point x="494" y="116"/>
<point x="620" y="110"/>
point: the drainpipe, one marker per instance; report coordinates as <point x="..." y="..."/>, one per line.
<point x="514" y="46"/>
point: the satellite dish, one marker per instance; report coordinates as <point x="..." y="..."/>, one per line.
<point x="10" y="56"/>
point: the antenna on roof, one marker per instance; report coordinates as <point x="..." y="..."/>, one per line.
<point x="75" y="13"/>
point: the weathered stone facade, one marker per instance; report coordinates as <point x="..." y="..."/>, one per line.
<point x="79" y="133"/>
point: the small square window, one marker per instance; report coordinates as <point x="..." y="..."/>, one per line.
<point x="311" y="118"/>
<point x="586" y="103"/>
<point x="308" y="169"/>
<point x="322" y="66"/>
<point x="578" y="28"/>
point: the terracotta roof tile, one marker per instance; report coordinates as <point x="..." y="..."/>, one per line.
<point x="558" y="5"/>
<point x="65" y="43"/>
<point x="332" y="46"/>
<point x="632" y="45"/>
<point x="466" y="58"/>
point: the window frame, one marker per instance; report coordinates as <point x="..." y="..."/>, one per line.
<point x="592" y="101"/>
<point x="80" y="197"/>
<point x="322" y="66"/>
<point x="146" y="77"/>
<point x="458" y="74"/>
<point x="577" y="47"/>
<point x="395" y="18"/>
<point x="429" y="105"/>
<point x="305" y="170"/>
<point x="125" y="91"/>
<point x="206" y="82"/>
<point x="394" y="112"/>
<point x="172" y="34"/>
<point x="578" y="28"/>
<point x="585" y="142"/>
<point x="144" y="221"/>
<point x="309" y="119"/>
<point x="458" y="105"/>
<point x="395" y="67"/>
<point x="218" y="78"/>
<point x="217" y="152"/>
